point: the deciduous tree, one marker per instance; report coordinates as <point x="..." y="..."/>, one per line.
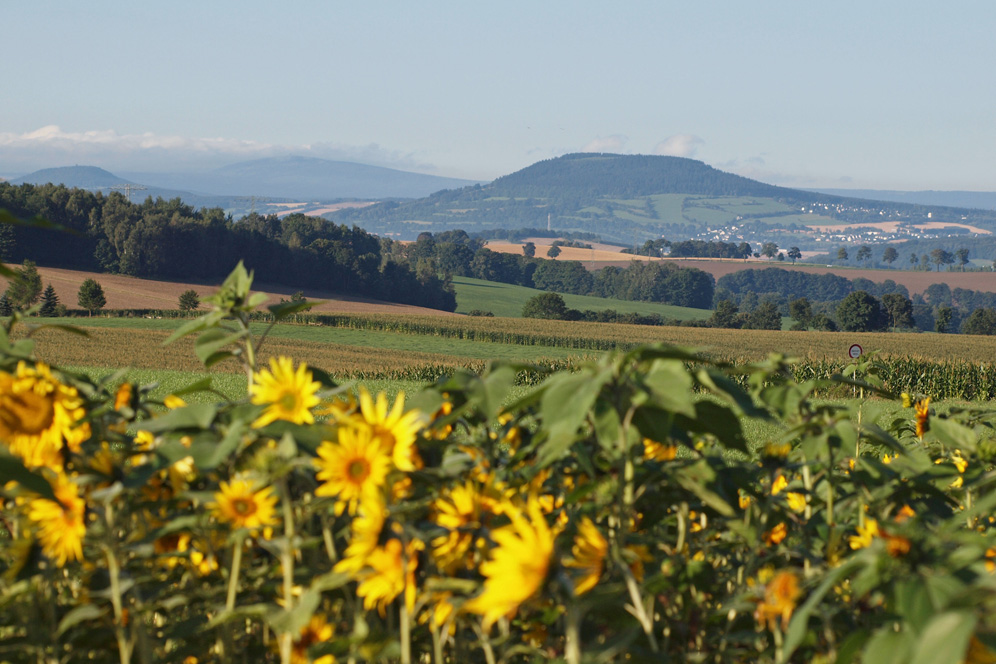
<point x="189" y="300"/>
<point x="91" y="296"/>
<point x="861" y="312"/>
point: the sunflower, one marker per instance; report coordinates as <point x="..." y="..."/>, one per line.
<point x="780" y="596"/>
<point x="775" y="536"/>
<point x="394" y="428"/>
<point x="866" y="534"/>
<point x="318" y="630"/>
<point x="353" y="469"/>
<point x="364" y="536"/>
<point x="241" y="506"/>
<point x="518" y="564"/>
<point x="288" y="394"/>
<point x="459" y="511"/>
<point x="39" y="415"/>
<point x="389" y="572"/>
<point x="588" y="556"/>
<point x="654" y="451"/>
<point x="123" y="397"/>
<point x="60" y="522"/>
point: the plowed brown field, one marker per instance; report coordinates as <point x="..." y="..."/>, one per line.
<point x="123" y="292"/>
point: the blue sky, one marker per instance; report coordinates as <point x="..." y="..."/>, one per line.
<point x="889" y="95"/>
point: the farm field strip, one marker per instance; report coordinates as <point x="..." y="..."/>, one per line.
<point x="526" y="339"/>
<point x="142" y="349"/>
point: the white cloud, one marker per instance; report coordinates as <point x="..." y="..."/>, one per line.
<point x="679" y="145"/>
<point x="51" y="146"/>
<point x="613" y="143"/>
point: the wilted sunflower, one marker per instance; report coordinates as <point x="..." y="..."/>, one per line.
<point x="353" y="469"/>
<point x="288" y="394"/>
<point x="588" y="556"/>
<point x="922" y="417"/>
<point x="518" y="564"/>
<point x="38" y="414"/>
<point x="61" y="524"/>
<point x="241" y="506"/>
<point x="394" y="428"/>
<point x="780" y="595"/>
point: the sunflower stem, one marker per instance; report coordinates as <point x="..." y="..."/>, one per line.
<point x="287" y="565"/>
<point x="437" y="643"/>
<point x="572" y="650"/>
<point x="406" y="634"/>
<point x="114" y="572"/>
<point x="233" y="575"/>
<point x="489" y="653"/>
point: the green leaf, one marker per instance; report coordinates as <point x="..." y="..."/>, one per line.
<point x="722" y="385"/>
<point x="564" y="406"/>
<point x="696" y="478"/>
<point x="954" y="434"/>
<point x="888" y="647"/>
<point x="718" y="420"/>
<point x="209" y="454"/>
<point x="671" y="387"/>
<point x="78" y="615"/>
<point x="193" y="416"/>
<point x="295" y="619"/>
<point x="212" y="341"/>
<point x="13" y="469"/>
<point x="188" y="328"/>
<point x="285" y="309"/>
<point x="945" y="640"/>
<point x="799" y="625"/>
<point x="202" y="385"/>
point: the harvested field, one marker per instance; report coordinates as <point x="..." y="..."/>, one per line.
<point x="124" y="292"/>
<point x="915" y="282"/>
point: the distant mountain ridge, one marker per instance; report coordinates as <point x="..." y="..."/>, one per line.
<point x="293" y="178"/>
<point x="81" y="177"/>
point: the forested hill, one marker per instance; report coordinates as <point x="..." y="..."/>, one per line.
<point x="623" y="176"/>
<point x="629" y="199"/>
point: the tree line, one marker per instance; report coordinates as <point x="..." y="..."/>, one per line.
<point x="171" y="240"/>
<point x="457" y="253"/>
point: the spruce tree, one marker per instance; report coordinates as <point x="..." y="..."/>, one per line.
<point x="49" y="303"/>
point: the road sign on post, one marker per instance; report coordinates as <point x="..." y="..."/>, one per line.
<point x="855" y="351"/>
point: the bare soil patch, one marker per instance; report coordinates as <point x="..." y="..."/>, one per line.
<point x="124" y="292"/>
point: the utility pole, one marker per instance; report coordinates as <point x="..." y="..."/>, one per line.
<point x="128" y="188"/>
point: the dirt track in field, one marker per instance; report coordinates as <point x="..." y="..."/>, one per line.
<point x="123" y="292"/>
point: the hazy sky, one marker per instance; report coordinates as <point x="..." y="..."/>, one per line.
<point x="891" y="95"/>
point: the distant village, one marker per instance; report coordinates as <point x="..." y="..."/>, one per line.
<point x="894" y="226"/>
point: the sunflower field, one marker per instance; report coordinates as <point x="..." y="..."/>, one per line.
<point x="611" y="513"/>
